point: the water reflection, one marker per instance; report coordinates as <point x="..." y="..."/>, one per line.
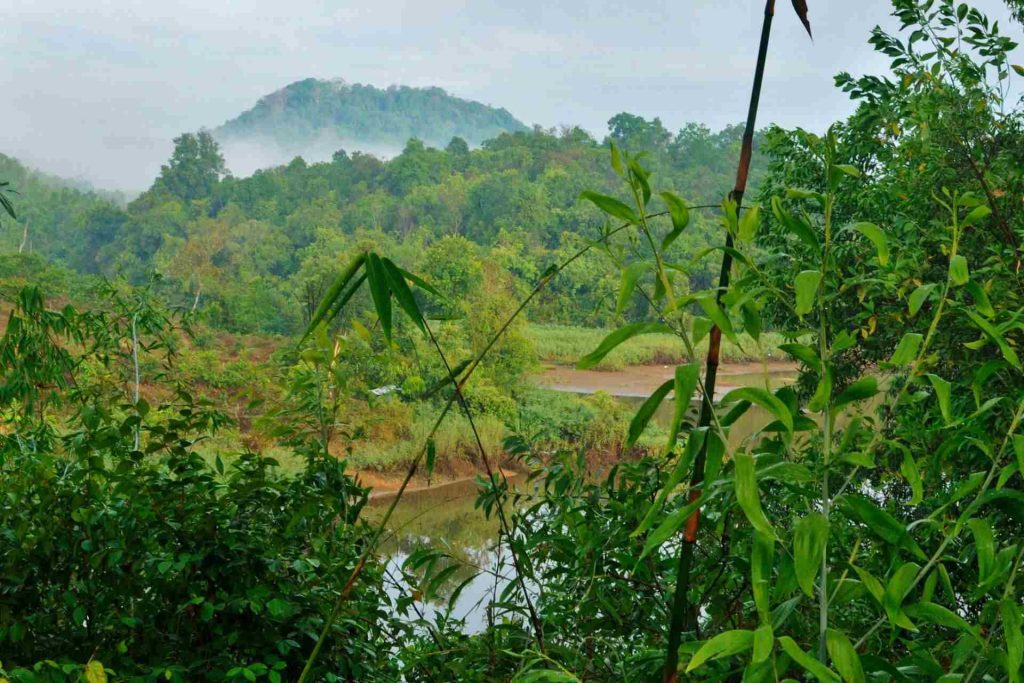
<point x="444" y="518"/>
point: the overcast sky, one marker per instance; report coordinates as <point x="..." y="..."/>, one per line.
<point x="96" y="90"/>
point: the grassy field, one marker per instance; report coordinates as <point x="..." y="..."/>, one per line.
<point x="566" y="344"/>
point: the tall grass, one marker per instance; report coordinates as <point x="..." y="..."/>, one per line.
<point x="567" y="344"/>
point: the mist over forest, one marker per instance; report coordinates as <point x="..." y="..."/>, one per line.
<point x="649" y="343"/>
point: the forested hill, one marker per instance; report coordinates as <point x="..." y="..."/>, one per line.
<point x="254" y="252"/>
<point x="313" y="118"/>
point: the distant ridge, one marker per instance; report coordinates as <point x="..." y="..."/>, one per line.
<point x="313" y="118"/>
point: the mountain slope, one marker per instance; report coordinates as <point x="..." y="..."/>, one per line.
<point x="314" y="118"/>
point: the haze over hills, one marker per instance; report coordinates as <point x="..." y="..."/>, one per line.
<point x="314" y="118"/>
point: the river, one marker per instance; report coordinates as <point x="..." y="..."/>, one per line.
<point x="444" y="517"/>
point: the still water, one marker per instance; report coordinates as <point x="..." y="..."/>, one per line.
<point x="444" y="518"/>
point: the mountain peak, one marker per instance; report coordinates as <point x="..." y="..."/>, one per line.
<point x="313" y="118"/>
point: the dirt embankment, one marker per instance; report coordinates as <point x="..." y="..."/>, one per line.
<point x="641" y="380"/>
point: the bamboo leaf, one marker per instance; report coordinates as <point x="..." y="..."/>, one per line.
<point x="809" y="542"/>
<point x="937" y="614"/>
<point x="646" y="412"/>
<point x="763" y="398"/>
<point x="884" y="525"/>
<point x="911" y="472"/>
<point x="958" y="270"/>
<point x="749" y="223"/>
<point x="877" y="237"/>
<point x="764" y="641"/>
<point x="718" y="317"/>
<point x="686" y="379"/>
<point x="806" y="285"/>
<point x="981" y="300"/>
<point x="332" y="294"/>
<point x="803" y="353"/>
<point x="748" y="496"/>
<point x="844" y="656"/>
<point x="613" y="340"/>
<point x="860" y="390"/>
<point x="976" y="215"/>
<point x="1010" y="612"/>
<point x="722" y="645"/>
<point x="403" y="295"/>
<point x="809" y="663"/>
<point x="801" y="11"/>
<point x="611" y="206"/>
<point x="1008" y="353"/>
<point x="630" y="275"/>
<point x="380" y="292"/>
<point x="906" y="350"/>
<point x="670" y="526"/>
<point x="680" y="214"/>
<point x="943" y="392"/>
<point x="896" y="592"/>
<point x="682" y="466"/>
<point x="797" y="226"/>
<point x="984" y="547"/>
<point x="918" y="297"/>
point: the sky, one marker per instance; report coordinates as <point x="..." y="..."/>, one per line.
<point x="96" y="91"/>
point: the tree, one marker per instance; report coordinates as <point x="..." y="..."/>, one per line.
<point x="195" y="167"/>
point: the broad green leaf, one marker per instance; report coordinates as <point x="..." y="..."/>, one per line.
<point x="722" y="645"/>
<point x="763" y="398"/>
<point x="877" y="237"/>
<point x="751" y="320"/>
<point x="630" y="275"/>
<point x="333" y="292"/>
<point x="403" y="295"/>
<point x="937" y="614"/>
<point x="809" y="663"/>
<point x="670" y="526"/>
<point x="984" y="547"/>
<point x="611" y="206"/>
<point x="613" y="340"/>
<point x="1018" y="68"/>
<point x="918" y="297"/>
<point x="896" y="592"/>
<point x="943" y="392"/>
<point x="806" y="284"/>
<point x="646" y="412"/>
<point x="910" y="472"/>
<point x="958" y="271"/>
<point x="803" y="353"/>
<point x="380" y="292"/>
<point x="617" y="160"/>
<point x="1018" y="451"/>
<point x="990" y="331"/>
<point x="764" y="641"/>
<point x="544" y="676"/>
<point x="906" y="350"/>
<point x="686" y="379"/>
<point x="761" y="559"/>
<point x="860" y="390"/>
<point x="810" y="538"/>
<point x="795" y="225"/>
<point x="844" y="656"/>
<point x="680" y="214"/>
<point x="95" y="673"/>
<point x="881" y="523"/>
<point x="981" y="300"/>
<point x="748" y="496"/>
<point x="823" y="392"/>
<point x="749" y="223"/>
<point x="1012" y="627"/>
<point x="977" y="214"/>
<point x="718" y="317"/>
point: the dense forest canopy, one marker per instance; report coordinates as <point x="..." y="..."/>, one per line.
<point x="252" y="251"/>
<point x="200" y="388"/>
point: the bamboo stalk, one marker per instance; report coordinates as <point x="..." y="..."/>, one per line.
<point x="683" y="613"/>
